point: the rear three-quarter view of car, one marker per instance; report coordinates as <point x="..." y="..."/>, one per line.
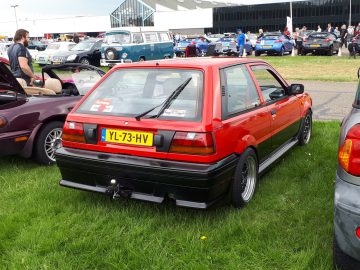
<point x="347" y="192"/>
<point x="194" y="131"/>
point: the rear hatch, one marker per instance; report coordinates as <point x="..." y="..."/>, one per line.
<point x="269" y="40"/>
<point x="143" y="111"/>
<point x="318" y="40"/>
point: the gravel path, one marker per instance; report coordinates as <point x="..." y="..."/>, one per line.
<point x="331" y="100"/>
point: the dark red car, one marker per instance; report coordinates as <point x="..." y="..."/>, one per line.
<point x="31" y="118"/>
<point x="192" y="130"/>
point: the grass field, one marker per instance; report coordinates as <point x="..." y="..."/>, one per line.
<point x="288" y="225"/>
<point x="310" y="68"/>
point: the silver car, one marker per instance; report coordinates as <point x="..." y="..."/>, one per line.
<point x="347" y="192"/>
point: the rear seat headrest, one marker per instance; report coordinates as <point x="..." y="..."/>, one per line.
<point x="53" y="84"/>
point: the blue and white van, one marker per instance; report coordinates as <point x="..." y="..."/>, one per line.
<point x="131" y="46"/>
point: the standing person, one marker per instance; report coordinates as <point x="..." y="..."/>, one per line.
<point x="241" y="42"/>
<point x="76" y="39"/>
<point x="261" y="34"/>
<point x="319" y="29"/>
<point x="286" y="31"/>
<point x="336" y="31"/>
<point x="20" y="58"/>
<point x="343" y="36"/>
<point x="329" y="28"/>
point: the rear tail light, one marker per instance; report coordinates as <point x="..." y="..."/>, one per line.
<point x="327" y="40"/>
<point x="193" y="42"/>
<point x="305" y="40"/>
<point x="279" y="41"/>
<point x="358" y="232"/>
<point x="349" y="152"/>
<point x="193" y="143"/>
<point x="73" y="132"/>
<point x="258" y="41"/>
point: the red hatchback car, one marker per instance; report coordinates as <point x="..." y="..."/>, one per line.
<point x="192" y="130"/>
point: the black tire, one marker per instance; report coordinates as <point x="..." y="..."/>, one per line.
<point x="141" y="58"/>
<point x="84" y="61"/>
<point x="257" y="53"/>
<point x="245" y="179"/>
<point x="341" y="260"/>
<point x="281" y="53"/>
<point x="330" y="51"/>
<point x="111" y="54"/>
<point x="306" y="129"/>
<point x="49" y="133"/>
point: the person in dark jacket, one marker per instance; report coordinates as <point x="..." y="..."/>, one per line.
<point x="343" y="36"/>
<point x="20" y="58"/>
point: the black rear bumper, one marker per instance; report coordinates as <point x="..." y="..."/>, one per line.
<point x="189" y="184"/>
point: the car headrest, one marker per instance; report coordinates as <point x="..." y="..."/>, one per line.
<point x="53" y="84"/>
<point x="22" y="82"/>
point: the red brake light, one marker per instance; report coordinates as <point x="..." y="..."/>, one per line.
<point x="192" y="143"/>
<point x="279" y="41"/>
<point x="73" y="132"/>
<point x="358" y="232"/>
<point x="305" y="40"/>
<point x="349" y="152"/>
<point x="327" y="40"/>
<point x="193" y="42"/>
<point x="258" y="41"/>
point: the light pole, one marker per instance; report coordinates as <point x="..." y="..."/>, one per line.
<point x="350" y="13"/>
<point x="15" y="6"/>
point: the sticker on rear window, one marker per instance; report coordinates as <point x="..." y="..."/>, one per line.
<point x="175" y="113"/>
<point x="103" y="105"/>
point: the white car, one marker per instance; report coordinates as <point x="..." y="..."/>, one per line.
<point x="45" y="57"/>
<point x="252" y="38"/>
<point x="4" y="46"/>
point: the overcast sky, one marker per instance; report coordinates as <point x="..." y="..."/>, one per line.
<point x="35" y="9"/>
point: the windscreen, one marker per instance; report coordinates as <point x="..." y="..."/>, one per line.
<point x="78" y="79"/>
<point x="131" y="92"/>
<point x="121" y="38"/>
<point x="83" y="46"/>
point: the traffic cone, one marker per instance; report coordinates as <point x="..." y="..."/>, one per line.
<point x="339" y="53"/>
<point x="244" y="53"/>
<point x="293" y="52"/>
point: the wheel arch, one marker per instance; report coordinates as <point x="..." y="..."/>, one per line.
<point x="247" y="141"/>
<point x="28" y="149"/>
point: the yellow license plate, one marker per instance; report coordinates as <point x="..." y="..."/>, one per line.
<point x="56" y="63"/>
<point x="315" y="45"/>
<point x="267" y="46"/>
<point x="127" y="137"/>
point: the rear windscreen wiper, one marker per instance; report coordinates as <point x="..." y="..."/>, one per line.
<point x="167" y="102"/>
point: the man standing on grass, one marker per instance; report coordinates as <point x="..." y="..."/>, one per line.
<point x="241" y="42"/>
<point x="20" y="58"/>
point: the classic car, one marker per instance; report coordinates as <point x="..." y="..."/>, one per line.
<point x="323" y="42"/>
<point x="201" y="44"/>
<point x="346" y="244"/>
<point x="46" y="57"/>
<point x="31" y="118"/>
<point x="86" y="52"/>
<point x="273" y="42"/>
<point x="195" y="131"/>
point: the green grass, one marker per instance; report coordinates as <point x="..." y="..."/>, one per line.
<point x="309" y="68"/>
<point x="316" y="68"/>
<point x="288" y="224"/>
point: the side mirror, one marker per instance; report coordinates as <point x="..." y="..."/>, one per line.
<point x="358" y="73"/>
<point x="296" y="89"/>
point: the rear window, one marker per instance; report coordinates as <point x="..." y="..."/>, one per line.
<point x="132" y="92"/>
<point x="271" y="37"/>
<point x="319" y="35"/>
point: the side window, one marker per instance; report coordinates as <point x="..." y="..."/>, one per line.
<point x="240" y="91"/>
<point x="98" y="45"/>
<point x="151" y="37"/>
<point x="163" y="36"/>
<point x="137" y="38"/>
<point x="271" y="88"/>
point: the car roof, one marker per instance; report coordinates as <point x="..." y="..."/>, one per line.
<point x="197" y="63"/>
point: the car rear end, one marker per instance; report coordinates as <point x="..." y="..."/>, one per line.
<point x="180" y="48"/>
<point x="347" y="192"/>
<point x="318" y="42"/>
<point x="128" y="139"/>
<point x="269" y="44"/>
